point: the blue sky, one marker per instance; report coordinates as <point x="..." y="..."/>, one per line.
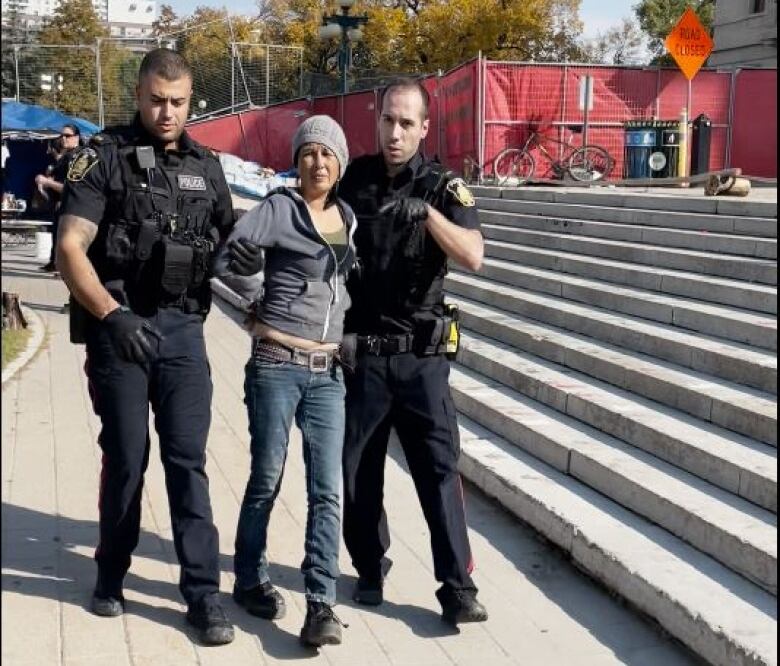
<point x="597" y="15"/>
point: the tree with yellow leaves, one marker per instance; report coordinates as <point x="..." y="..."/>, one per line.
<point x="421" y="36"/>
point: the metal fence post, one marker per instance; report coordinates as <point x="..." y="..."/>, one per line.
<point x="16" y="70"/>
<point x="267" y="74"/>
<point x="101" y="119"/>
<point x="300" y="70"/>
<point x="562" y="129"/>
<point x="730" y="117"/>
<point x="439" y="107"/>
<point x="232" y="76"/>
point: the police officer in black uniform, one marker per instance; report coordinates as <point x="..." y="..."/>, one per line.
<point x="144" y="208"/>
<point x="412" y="215"/>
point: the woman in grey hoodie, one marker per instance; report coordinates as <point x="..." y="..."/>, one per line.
<point x="297" y="325"/>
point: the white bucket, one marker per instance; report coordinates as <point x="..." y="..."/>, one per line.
<point x="43" y="241"/>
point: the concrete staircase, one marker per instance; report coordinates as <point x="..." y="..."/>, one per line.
<point x="617" y="384"/>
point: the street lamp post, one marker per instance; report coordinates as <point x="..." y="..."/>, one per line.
<point x="52" y="83"/>
<point x="347" y="27"/>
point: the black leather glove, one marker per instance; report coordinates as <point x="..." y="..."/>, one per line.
<point x="246" y="257"/>
<point x="130" y="335"/>
<point x="409" y="211"/>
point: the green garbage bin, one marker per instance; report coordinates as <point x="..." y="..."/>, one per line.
<point x="664" y="158"/>
<point x="640" y="140"/>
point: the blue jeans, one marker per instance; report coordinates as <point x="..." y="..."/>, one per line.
<point x="275" y="392"/>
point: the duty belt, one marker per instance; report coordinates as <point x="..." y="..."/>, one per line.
<point x="385" y="345"/>
<point x="316" y="361"/>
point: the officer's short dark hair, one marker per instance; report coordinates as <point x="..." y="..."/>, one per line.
<point x="408" y="83"/>
<point x="166" y="64"/>
<point x="72" y="128"/>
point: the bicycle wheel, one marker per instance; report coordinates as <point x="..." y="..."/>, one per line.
<point x="513" y="166"/>
<point x="590" y="163"/>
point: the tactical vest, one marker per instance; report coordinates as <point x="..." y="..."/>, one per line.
<point x="153" y="250"/>
<point x="403" y="275"/>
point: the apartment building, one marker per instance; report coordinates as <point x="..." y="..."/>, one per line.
<point x="745" y="34"/>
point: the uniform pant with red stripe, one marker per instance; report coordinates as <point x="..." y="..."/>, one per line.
<point x="412" y="395"/>
<point x="177" y="384"/>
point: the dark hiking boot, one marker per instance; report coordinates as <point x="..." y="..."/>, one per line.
<point x="368" y="592"/>
<point x="211" y="621"/>
<point x="110" y="606"/>
<point x="261" y="600"/>
<point x="460" y="606"/>
<point x="322" y="626"/>
<point x="107" y="599"/>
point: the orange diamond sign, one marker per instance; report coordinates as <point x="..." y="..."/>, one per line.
<point x="689" y="43"/>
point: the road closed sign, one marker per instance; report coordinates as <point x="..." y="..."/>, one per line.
<point x="689" y="43"/>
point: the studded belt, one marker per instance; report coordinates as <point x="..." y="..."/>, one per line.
<point x="315" y="360"/>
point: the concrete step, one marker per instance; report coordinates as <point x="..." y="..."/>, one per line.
<point x="719" y="224"/>
<point x="706" y="263"/>
<point x="720" y="615"/>
<point x="723" y="321"/>
<point x="743" y="410"/>
<point x="759" y="297"/>
<point x="729" y="461"/>
<point x="727" y="360"/>
<point x="735" y="532"/>
<point x="731" y="244"/>
<point x="663" y="200"/>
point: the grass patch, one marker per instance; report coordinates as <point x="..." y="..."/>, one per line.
<point x="14" y="343"/>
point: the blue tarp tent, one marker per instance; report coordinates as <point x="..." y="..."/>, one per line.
<point x="27" y="129"/>
<point x="29" y="117"/>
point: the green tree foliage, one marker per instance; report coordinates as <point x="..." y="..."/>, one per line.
<point x="73" y="22"/>
<point x="205" y="41"/>
<point x="421" y="36"/>
<point x="658" y="17"/>
<point x="167" y="22"/>
<point x="620" y="45"/>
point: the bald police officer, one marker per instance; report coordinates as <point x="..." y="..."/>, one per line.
<point x="143" y="210"/>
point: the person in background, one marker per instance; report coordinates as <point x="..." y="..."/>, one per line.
<point x="51" y="183"/>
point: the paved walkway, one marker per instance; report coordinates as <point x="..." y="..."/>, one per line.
<point x="543" y="612"/>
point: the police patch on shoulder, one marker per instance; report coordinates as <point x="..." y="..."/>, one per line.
<point x="81" y="164"/>
<point x="191" y="182"/>
<point x="457" y="188"/>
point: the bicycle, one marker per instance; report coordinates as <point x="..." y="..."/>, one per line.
<point x="515" y="166"/>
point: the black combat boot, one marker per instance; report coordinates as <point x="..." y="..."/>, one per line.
<point x="322" y="626"/>
<point x="107" y="599"/>
<point x="459" y="606"/>
<point x="211" y="621"/>
<point x="368" y="592"/>
<point x="261" y="600"/>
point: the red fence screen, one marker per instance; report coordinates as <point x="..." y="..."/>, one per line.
<point x="469" y="122"/>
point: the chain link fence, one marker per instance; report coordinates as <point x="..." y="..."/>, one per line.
<point x="62" y="77"/>
<point x="315" y="84"/>
<point x="97" y="81"/>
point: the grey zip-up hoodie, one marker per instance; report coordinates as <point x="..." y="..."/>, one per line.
<point x="304" y="290"/>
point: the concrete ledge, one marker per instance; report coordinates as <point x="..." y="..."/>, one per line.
<point x="706" y="263"/>
<point x="721" y="616"/>
<point x="727" y="360"/>
<point x="37" y="333"/>
<point x="678" y="201"/>
<point x="735" y="532"/>
<point x="693" y="239"/>
<point x="736" y="408"/>
<point x="711" y="289"/>
<point x="727" y="322"/>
